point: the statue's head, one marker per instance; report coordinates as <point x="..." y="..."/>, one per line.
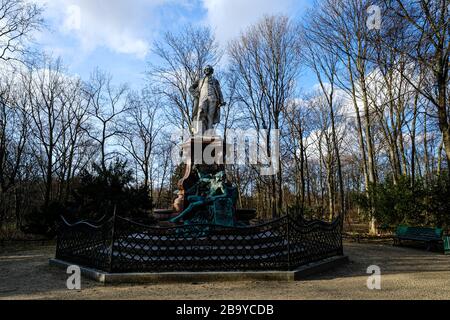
<point x="209" y="70"/>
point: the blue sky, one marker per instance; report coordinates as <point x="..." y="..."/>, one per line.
<point x="117" y="35"/>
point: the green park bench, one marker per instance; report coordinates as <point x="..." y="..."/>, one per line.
<point x="431" y="236"/>
<point x="447" y="244"/>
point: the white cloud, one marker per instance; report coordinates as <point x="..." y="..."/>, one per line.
<point x="229" y="17"/>
<point x="129" y="26"/>
<point x="122" y="26"/>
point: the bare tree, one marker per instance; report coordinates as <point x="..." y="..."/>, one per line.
<point x="427" y="44"/>
<point x="45" y="84"/>
<point x="140" y="131"/>
<point x="14" y="136"/>
<point x="165" y="177"/>
<point x="325" y="64"/>
<point x="18" y="20"/>
<point x="107" y="104"/>
<point x="72" y="148"/>
<point x="341" y="27"/>
<point x="296" y="120"/>
<point x="266" y="61"/>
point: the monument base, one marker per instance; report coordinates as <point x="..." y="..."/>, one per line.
<point x="200" y="154"/>
<point x="204" y="158"/>
<point x="177" y="277"/>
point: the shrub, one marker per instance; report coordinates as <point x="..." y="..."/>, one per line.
<point x="97" y="194"/>
<point x="102" y="192"/>
<point x="438" y="201"/>
<point x="43" y="220"/>
<point x="423" y="204"/>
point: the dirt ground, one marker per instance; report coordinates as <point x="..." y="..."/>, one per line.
<point x="406" y="274"/>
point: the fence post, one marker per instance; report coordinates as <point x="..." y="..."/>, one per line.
<point x="341" y="228"/>
<point x="113" y="235"/>
<point x="342" y="217"/>
<point x="288" y="236"/>
<point x="58" y="237"/>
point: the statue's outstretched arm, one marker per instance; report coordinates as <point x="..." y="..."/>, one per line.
<point x="189" y="210"/>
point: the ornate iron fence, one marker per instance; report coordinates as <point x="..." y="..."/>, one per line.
<point x="121" y="245"/>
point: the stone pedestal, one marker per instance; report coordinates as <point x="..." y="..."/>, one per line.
<point x="200" y="154"/>
<point x="206" y="155"/>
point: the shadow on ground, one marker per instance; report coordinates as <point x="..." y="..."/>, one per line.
<point x="407" y="273"/>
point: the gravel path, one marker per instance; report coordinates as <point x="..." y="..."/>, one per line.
<point x="406" y="274"/>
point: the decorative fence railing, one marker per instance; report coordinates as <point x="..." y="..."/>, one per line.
<point x="120" y="245"/>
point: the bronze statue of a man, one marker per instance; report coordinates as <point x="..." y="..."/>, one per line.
<point x="208" y="99"/>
